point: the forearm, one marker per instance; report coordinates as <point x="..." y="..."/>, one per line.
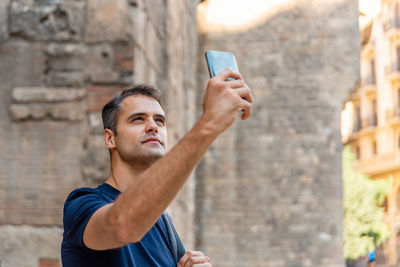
<point x="138" y="207"/>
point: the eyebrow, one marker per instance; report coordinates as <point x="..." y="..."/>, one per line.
<point x="143" y="114"/>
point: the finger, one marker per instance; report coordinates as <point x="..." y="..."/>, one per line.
<point x="246" y="109"/>
<point x="228" y="73"/>
<point x="195" y="253"/>
<point x="235" y="83"/>
<point x="183" y="260"/>
<point x="245" y="93"/>
<point x="196" y="260"/>
<point x="202" y="265"/>
<point x="187" y="255"/>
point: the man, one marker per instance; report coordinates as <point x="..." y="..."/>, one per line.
<point x="118" y="223"/>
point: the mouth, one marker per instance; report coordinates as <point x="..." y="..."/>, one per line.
<point x="152" y="140"/>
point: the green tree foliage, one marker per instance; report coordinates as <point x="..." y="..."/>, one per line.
<point x="363" y="209"/>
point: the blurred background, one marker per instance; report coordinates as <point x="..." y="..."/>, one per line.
<point x="309" y="180"/>
<point x="371" y="134"/>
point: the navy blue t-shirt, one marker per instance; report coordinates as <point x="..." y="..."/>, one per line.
<point x="153" y="250"/>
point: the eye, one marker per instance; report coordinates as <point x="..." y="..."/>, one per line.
<point x="137" y="119"/>
<point x="160" y="121"/>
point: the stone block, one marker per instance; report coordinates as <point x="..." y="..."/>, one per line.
<point x="57" y="20"/>
<point x="26" y="245"/>
<point x="75" y="111"/>
<point x="47" y="262"/>
<point x="24" y="112"/>
<point x="72" y="111"/>
<point x="108" y="21"/>
<point x="4" y="5"/>
<point x="68" y="49"/>
<point x="99" y="64"/>
<point x="98" y="96"/>
<point x="65" y="78"/>
<point x="68" y="57"/>
<point x="42" y="94"/>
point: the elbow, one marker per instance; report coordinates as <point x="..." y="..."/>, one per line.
<point x="126" y="229"/>
<point x="126" y="236"/>
<point x="126" y="232"/>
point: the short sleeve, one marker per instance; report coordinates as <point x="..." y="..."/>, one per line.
<point x="79" y="207"/>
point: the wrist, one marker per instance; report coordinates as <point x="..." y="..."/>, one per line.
<point x="206" y="128"/>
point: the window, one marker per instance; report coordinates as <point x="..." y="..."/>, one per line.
<point x="398" y="200"/>
<point x="398" y="141"/>
<point x="385" y="204"/>
<point x="357" y="123"/>
<point x="373" y="76"/>
<point x="374" y="118"/>
<point x="358" y="152"/>
<point x="397" y="109"/>
<point x="398" y="58"/>
<point x="374" y="148"/>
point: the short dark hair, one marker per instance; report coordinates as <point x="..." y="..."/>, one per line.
<point x="112" y="109"/>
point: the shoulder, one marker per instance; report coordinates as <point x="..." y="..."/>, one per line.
<point x="81" y="192"/>
<point x="78" y="208"/>
<point x="81" y="195"/>
<point x="103" y="192"/>
<point x="83" y="201"/>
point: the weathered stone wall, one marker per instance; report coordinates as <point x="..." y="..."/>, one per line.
<point x="269" y="189"/>
<point x="60" y="62"/>
<point x="165" y="55"/>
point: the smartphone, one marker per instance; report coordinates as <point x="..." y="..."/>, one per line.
<point x="217" y="61"/>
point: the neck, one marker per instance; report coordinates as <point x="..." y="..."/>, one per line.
<point x="123" y="174"/>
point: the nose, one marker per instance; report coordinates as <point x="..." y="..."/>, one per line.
<point x="151" y="126"/>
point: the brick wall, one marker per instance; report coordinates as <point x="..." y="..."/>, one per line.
<point x="61" y="61"/>
<point x="269" y="189"/>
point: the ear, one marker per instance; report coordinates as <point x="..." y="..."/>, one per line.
<point x="109" y="138"/>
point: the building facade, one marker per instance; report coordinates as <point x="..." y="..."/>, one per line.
<point x="371" y="117"/>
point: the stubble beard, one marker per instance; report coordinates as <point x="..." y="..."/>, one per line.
<point x="142" y="158"/>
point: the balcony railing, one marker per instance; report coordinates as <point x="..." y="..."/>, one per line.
<point x="392" y="67"/>
<point x="357" y="126"/>
<point x="393" y="113"/>
<point x="373" y="121"/>
<point x="391" y="24"/>
<point x="389" y="113"/>
<point x="396" y="112"/>
<point x="369" y="80"/>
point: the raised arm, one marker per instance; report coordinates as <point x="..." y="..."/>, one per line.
<point x="136" y="210"/>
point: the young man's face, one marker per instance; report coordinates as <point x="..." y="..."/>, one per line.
<point x="141" y="130"/>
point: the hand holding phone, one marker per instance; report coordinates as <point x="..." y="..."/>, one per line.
<point x="217" y="61"/>
<point x="222" y="106"/>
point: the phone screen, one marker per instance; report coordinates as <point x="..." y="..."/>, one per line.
<point x="217" y="61"/>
